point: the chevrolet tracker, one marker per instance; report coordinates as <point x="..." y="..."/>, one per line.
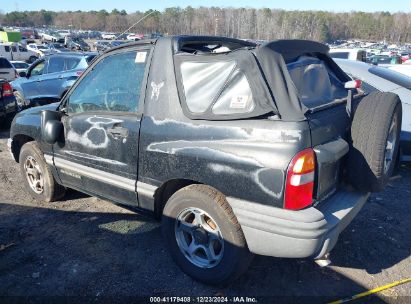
<point x="238" y="149"/>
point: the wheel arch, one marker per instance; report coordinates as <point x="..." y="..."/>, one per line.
<point x="166" y="190"/>
<point x="18" y="141"/>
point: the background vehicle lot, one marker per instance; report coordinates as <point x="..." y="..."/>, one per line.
<point x="86" y="246"/>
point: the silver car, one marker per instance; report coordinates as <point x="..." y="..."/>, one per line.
<point x="376" y="78"/>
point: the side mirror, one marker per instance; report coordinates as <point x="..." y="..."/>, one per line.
<point x="51" y="127"/>
<point x="23" y="74"/>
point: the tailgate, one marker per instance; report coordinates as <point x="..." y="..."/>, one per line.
<point x="329" y="133"/>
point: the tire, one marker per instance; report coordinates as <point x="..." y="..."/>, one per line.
<point x="32" y="59"/>
<point x="377" y="120"/>
<point x="21" y="102"/>
<point x="232" y="251"/>
<point x="50" y="191"/>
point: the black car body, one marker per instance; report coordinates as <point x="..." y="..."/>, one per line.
<point x="150" y="120"/>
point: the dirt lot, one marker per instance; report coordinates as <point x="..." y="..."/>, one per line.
<point x="84" y="246"/>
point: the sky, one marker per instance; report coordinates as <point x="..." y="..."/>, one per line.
<point x="138" y="5"/>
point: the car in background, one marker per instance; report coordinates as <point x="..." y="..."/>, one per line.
<point x="14" y="51"/>
<point x="8" y="105"/>
<point x="57" y="48"/>
<point x="20" y="66"/>
<point x="376" y="78"/>
<point x="135" y="37"/>
<point x="40" y="49"/>
<point x="351" y="54"/>
<point x="101" y="45"/>
<point x="7" y="70"/>
<point x="29" y="34"/>
<point x="48" y="79"/>
<point x="379" y="59"/>
<point x="108" y="36"/>
<point x="77" y="44"/>
<point x="51" y="36"/>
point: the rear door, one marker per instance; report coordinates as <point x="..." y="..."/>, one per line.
<point x="52" y="81"/>
<point x="100" y="151"/>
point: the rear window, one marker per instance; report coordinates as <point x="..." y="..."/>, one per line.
<point x="5" y="64"/>
<point x="393" y="76"/>
<point x="315" y="83"/>
<point x="341" y="55"/>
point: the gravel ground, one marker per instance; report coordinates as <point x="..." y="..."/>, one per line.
<point x="84" y="246"/>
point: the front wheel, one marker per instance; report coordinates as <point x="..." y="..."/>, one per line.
<point x="37" y="176"/>
<point x="204" y="236"/>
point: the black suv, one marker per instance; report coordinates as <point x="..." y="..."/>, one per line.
<point x="239" y="149"/>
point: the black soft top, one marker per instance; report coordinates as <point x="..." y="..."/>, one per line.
<point x="275" y="93"/>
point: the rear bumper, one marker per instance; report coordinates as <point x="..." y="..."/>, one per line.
<point x="311" y="232"/>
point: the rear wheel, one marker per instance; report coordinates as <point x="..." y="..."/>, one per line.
<point x="204" y="236"/>
<point x="375" y="135"/>
<point x="37" y="176"/>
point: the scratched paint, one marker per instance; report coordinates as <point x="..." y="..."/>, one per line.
<point x="256" y="176"/>
<point x="95" y="158"/>
<point x="88" y="138"/>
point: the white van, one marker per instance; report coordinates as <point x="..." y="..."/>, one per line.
<point x="351" y="54"/>
<point x="13" y="51"/>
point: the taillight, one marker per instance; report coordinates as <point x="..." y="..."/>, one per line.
<point x="7" y="89"/>
<point x="299" y="185"/>
<point x="16" y="74"/>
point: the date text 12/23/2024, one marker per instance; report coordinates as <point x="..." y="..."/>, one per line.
<point x="216" y="299"/>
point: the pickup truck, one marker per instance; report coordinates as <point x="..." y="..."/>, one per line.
<point x="239" y="149"/>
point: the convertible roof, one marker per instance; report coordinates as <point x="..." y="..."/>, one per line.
<point x="270" y="58"/>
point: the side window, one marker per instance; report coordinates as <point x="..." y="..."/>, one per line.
<point x="56" y="64"/>
<point x="38" y="69"/>
<point x="7" y="48"/>
<point x="22" y="49"/>
<point x="14" y="48"/>
<point x="113" y="85"/>
<point x="219" y="85"/>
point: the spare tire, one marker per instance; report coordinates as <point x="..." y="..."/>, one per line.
<point x="375" y="132"/>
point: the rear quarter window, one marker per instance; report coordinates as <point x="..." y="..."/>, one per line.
<point x="217" y="85"/>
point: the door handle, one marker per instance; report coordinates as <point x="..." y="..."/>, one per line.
<point x="118" y="131"/>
